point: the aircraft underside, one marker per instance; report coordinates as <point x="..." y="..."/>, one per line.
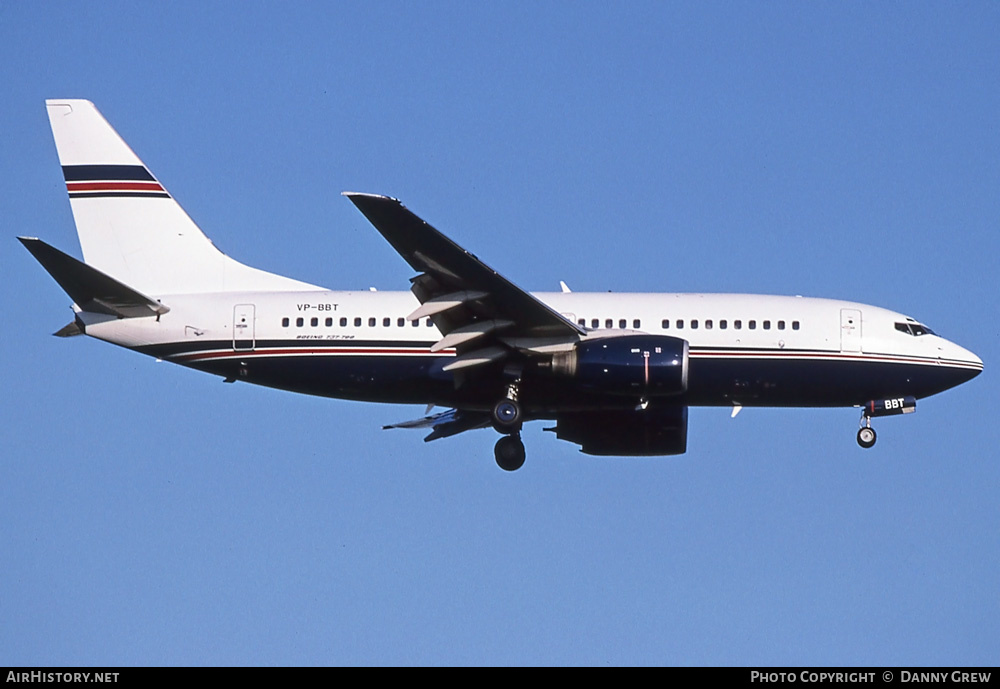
<point x="628" y="423"/>
<point x="716" y="381"/>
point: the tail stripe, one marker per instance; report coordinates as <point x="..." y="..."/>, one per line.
<point x="102" y="181"/>
<point x="86" y="173"/>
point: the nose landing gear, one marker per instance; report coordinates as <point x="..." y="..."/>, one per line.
<point x="866" y="435"/>
<point x="883" y="407"/>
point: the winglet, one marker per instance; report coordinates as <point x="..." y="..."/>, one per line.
<point x="88" y="287"/>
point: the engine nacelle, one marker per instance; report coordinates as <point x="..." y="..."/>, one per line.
<point x="644" y="365"/>
<point x="641" y="433"/>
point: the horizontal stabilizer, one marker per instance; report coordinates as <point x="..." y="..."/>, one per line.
<point x="89" y="288"/>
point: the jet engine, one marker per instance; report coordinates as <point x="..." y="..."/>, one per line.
<point x="646" y="365"/>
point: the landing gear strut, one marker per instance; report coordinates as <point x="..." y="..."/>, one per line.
<point x="507" y="417"/>
<point x="506" y="414"/>
<point x="866" y="434"/>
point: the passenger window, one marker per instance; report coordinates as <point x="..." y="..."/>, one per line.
<point x="622" y="323"/>
<point x="767" y="325"/>
<point x="738" y="325"/>
<point x="752" y="325"/>
<point x="723" y="324"/>
<point x="665" y="324"/>
<point x="284" y="322"/>
<point x="594" y="323"/>
<point x="343" y="322"/>
<point x="329" y="322"/>
<point x="314" y="322"/>
<point x="299" y="322"/>
<point x="429" y="323"/>
<point x="781" y="325"/>
<point x="415" y="323"/>
<point x="636" y="324"/>
<point x="400" y="322"/>
<point x="357" y="321"/>
<point x="795" y="325"/>
<point x="371" y="322"/>
<point x="680" y="323"/>
<point x="582" y="322"/>
<point x="608" y="323"/>
<point x="386" y="322"/>
<point x="708" y="324"/>
<point x="694" y="324"/>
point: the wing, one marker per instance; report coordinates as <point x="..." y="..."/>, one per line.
<point x="482" y="314"/>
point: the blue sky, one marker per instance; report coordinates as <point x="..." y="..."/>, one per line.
<point x="152" y="515"/>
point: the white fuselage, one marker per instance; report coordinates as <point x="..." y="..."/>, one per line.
<point x="741" y="330"/>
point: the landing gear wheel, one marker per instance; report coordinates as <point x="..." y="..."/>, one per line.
<point x="509" y="452"/>
<point x="866" y="437"/>
<point x="506" y="415"/>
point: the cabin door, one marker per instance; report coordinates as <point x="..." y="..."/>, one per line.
<point x="850" y="330"/>
<point x="243" y="327"/>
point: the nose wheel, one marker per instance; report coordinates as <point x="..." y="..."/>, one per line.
<point x="866" y="437"/>
<point x="866" y="434"/>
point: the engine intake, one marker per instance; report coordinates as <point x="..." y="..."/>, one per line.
<point x="647" y="365"/>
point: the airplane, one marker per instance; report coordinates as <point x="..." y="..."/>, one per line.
<point x="615" y="372"/>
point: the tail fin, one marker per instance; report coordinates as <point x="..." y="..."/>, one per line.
<point x="130" y="227"/>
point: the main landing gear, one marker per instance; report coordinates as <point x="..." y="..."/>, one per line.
<point x="509" y="452"/>
<point x="507" y="417"/>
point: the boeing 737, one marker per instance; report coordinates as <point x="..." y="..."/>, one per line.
<point x="614" y="373"/>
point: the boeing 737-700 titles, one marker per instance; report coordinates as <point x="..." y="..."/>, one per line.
<point x="615" y="373"/>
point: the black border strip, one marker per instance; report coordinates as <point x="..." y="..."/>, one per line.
<point x="118" y="194"/>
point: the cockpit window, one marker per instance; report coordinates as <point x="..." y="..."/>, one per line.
<point x="915" y="329"/>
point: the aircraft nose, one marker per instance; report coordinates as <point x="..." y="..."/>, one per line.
<point x="962" y="358"/>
